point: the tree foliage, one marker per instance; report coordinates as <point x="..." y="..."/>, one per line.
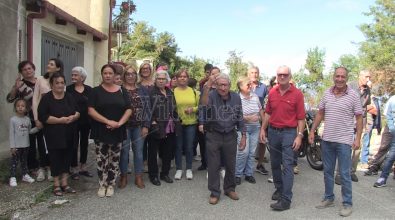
<point x="236" y="67"/>
<point x="377" y="51"/>
<point x="315" y="63"/>
<point x="351" y="62"/>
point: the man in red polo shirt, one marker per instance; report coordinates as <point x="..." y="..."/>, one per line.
<point x="284" y="119"/>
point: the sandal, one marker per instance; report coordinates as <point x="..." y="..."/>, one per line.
<point x="75" y="176"/>
<point x="57" y="191"/>
<point x="85" y="173"/>
<point x="68" y="189"/>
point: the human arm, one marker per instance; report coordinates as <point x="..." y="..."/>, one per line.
<point x="299" y="136"/>
<point x="265" y="124"/>
<point x="359" y="127"/>
<point x="317" y="120"/>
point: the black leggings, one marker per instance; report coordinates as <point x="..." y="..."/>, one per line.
<point x="37" y="141"/>
<point x="83" y="134"/>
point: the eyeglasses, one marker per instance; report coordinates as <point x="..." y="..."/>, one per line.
<point x="282" y="75"/>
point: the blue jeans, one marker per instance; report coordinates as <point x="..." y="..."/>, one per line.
<point x="245" y="159"/>
<point x="185" y="142"/>
<point x="389" y="160"/>
<point x="331" y="151"/>
<point x="134" y="138"/>
<point x="366" y="144"/>
<point x="281" y="152"/>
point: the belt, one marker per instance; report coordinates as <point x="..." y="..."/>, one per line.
<point x="281" y="129"/>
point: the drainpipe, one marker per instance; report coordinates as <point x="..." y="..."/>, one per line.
<point x="30" y="18"/>
<point x="110" y="32"/>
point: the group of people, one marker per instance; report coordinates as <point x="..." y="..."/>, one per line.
<point x="159" y="116"/>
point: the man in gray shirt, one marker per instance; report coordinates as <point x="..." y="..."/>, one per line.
<point x="224" y="115"/>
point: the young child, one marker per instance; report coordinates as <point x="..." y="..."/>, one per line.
<point x="20" y="127"/>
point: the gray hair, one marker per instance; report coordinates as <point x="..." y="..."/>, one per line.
<point x="163" y="72"/>
<point x="285" y="66"/>
<point x="364" y="72"/>
<point x="81" y="71"/>
<point x="224" y="76"/>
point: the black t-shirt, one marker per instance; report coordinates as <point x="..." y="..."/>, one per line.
<point x="58" y="136"/>
<point x="111" y="105"/>
<point x="82" y="102"/>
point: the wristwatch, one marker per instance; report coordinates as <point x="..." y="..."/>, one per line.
<point x="300" y="134"/>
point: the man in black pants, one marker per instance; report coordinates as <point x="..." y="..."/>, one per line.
<point x="224" y="114"/>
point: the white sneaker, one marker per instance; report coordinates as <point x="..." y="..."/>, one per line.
<point x="110" y="191"/>
<point x="13" y="182"/>
<point x="101" y="192"/>
<point x="223" y="174"/>
<point x="178" y="175"/>
<point x="49" y="176"/>
<point x="189" y="174"/>
<point x="27" y="178"/>
<point x="40" y="175"/>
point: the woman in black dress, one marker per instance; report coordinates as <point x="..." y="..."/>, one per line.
<point x="59" y="113"/>
<point x="109" y="107"/>
<point x="80" y="92"/>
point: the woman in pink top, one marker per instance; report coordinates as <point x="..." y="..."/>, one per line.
<point x="42" y="87"/>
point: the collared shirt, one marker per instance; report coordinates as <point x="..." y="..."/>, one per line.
<point x="285" y="110"/>
<point x="261" y="91"/>
<point x="224" y="115"/>
<point x="364" y="95"/>
<point x="339" y="115"/>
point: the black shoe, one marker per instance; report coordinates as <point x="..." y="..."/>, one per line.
<point x="250" y="179"/>
<point x="276" y="195"/>
<point x="261" y="169"/>
<point x="238" y="180"/>
<point x="354" y="177"/>
<point x="202" y="168"/>
<point x="338" y="180"/>
<point x="371" y="172"/>
<point x="155" y="181"/>
<point x="167" y="179"/>
<point x="280" y="205"/>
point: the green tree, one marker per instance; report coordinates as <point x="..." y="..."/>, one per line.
<point x="315" y="63"/>
<point x="236" y="67"/>
<point x="377" y="51"/>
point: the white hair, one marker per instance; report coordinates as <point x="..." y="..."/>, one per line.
<point x="224" y="76"/>
<point x="80" y="70"/>
<point x="163" y="72"/>
<point x="285" y="66"/>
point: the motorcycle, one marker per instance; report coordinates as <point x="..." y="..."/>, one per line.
<point x="311" y="151"/>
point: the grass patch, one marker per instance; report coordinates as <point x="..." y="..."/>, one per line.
<point x="43" y="195"/>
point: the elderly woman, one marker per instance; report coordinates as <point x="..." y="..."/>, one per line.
<point x="136" y="128"/>
<point x="58" y="112"/>
<point x="41" y="87"/>
<point x="187" y="101"/>
<point x="252" y="112"/>
<point x="164" y="126"/>
<point x="109" y="107"/>
<point x="80" y="92"/>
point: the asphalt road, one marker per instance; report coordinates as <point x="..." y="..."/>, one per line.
<point x="188" y="199"/>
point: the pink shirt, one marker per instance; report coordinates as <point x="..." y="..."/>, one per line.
<point x="42" y="87"/>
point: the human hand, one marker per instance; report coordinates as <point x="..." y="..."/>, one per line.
<point x="242" y="144"/>
<point x="144" y="132"/>
<point x="13" y="151"/>
<point x="311" y="137"/>
<point x="297" y="143"/>
<point x="201" y="128"/>
<point x="356" y="145"/>
<point x="188" y="110"/>
<point x="39" y="125"/>
<point x="262" y="136"/>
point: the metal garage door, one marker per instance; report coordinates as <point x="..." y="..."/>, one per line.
<point x="69" y="52"/>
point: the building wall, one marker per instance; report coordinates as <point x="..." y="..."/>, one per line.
<point x="8" y="62"/>
<point x="92" y="12"/>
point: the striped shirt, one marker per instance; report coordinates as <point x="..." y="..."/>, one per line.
<point x="251" y="105"/>
<point x="339" y="115"/>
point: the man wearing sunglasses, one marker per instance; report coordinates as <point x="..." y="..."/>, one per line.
<point x="284" y="118"/>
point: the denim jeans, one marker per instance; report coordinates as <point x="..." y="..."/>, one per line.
<point x="281" y="153"/>
<point x="366" y="144"/>
<point x="185" y="142"/>
<point x="389" y="160"/>
<point x="245" y="159"/>
<point x="134" y="138"/>
<point x="331" y="151"/>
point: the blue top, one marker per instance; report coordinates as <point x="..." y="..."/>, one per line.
<point x="390" y="114"/>
<point x="261" y="91"/>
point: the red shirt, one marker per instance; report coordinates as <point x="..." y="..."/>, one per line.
<point x="286" y="110"/>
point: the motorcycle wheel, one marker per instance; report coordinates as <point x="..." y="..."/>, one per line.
<point x="313" y="154"/>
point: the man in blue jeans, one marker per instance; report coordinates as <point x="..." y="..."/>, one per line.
<point x="285" y="120"/>
<point x="389" y="160"/>
<point x="340" y="107"/>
